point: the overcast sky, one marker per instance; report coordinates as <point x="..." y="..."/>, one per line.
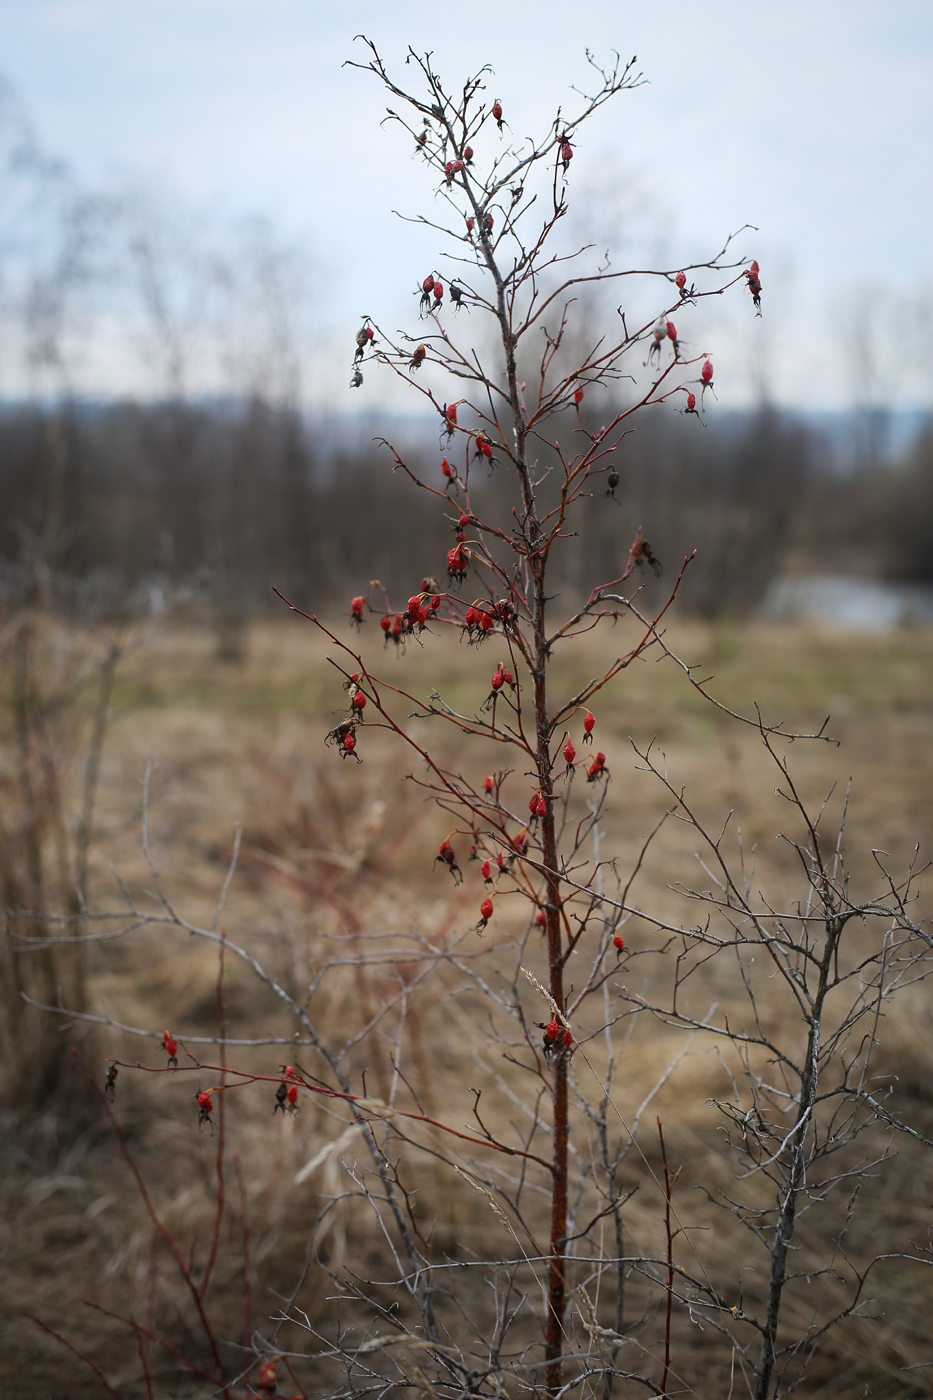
<point x="810" y="119"/>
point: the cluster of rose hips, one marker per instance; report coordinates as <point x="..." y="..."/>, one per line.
<point x="286" y="1095"/>
<point x="501" y="676"/>
<point x="555" y="1039"/>
<point x="432" y="286"/>
<point x="483" y="448"/>
<point x="458" y="561"/>
<point x="344" y="736"/>
<point x="662" y="330"/>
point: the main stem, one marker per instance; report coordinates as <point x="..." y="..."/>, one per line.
<point x="537" y="562"/>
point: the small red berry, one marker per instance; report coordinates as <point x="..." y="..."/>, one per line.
<point x="497" y="679"/>
<point x="618" y="942"/>
<point x="435" y="603"/>
<point x="691" y="403"/>
<point x="596" y="767"/>
<point x="500" y="859"/>
<point x="489" y="784"/>
<point x="447" y="469"/>
<point x="359" y="700"/>
<point x="533" y="804"/>
<point x="485" y="869"/>
<point x="566" y="153"/>
<point x="578" y="396"/>
<point x="553" y="1030"/>
<point x="385" y="623"/>
<point x="486" y="621"/>
<point x="171" y="1047"/>
<point x="570" y="752"/>
<point x="292" y="1094"/>
<point x="438" y="291"/>
<point x="588" y="722"/>
<point x="457" y="561"/>
<point x="486" y="909"/>
<point x="507" y="676"/>
<point x="681" y="280"/>
<point x="469" y="223"/>
<point x="497" y="110"/>
<point x="349" y="743"/>
<point x="428" y="284"/>
<point x="541" y="807"/>
<point x="356" y="609"/>
<point x="457" y="167"/>
<point x="568" y="1040"/>
<point x="706" y="373"/>
<point x="540" y="918"/>
<point x="468" y="154"/>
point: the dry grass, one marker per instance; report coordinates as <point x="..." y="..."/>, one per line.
<point x="338" y="857"/>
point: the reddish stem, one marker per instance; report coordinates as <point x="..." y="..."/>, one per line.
<point x="75" y="1352"/>
<point x="157" y="1223"/>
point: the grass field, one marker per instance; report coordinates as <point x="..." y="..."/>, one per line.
<point x="337" y="878"/>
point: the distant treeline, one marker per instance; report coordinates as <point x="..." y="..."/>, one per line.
<point x="120" y="508"/>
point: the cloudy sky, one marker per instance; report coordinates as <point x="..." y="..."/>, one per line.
<point x="810" y="119"/>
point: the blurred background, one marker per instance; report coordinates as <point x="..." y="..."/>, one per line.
<point x="199" y="203"/>
<point x="197" y="206"/>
